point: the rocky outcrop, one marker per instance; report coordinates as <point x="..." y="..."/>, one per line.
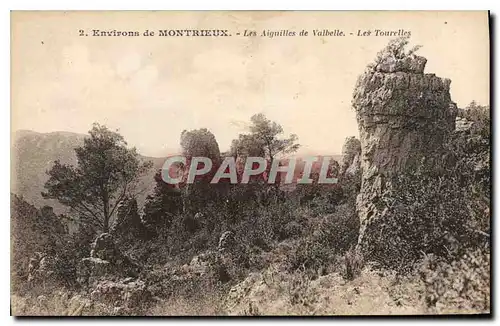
<point x="403" y="116"/>
<point x="128" y="224"/>
<point x="42" y="268"/>
<point x="127" y="293"/>
<point x="351" y="157"/>
<point x="104" y="248"/>
<point x="199" y="266"/>
<point x="105" y="261"/>
<point x="462" y="124"/>
<point x="227" y="242"/>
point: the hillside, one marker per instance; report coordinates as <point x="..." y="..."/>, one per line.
<point x="406" y="230"/>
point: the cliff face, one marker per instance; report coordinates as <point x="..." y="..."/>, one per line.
<point x="403" y="115"/>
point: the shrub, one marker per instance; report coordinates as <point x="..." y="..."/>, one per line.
<point x="332" y="236"/>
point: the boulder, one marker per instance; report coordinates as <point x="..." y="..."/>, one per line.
<point x="408" y="64"/>
<point x="105" y="261"/>
<point x="351" y="152"/>
<point x="42" y="268"/>
<point x="90" y="270"/>
<point x="199" y="266"/>
<point x="462" y="124"/>
<point x="77" y="305"/>
<point x="104" y="248"/>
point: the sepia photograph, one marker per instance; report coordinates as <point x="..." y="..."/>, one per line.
<point x="250" y="163"/>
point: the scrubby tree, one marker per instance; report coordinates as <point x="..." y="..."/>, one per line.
<point x="106" y="172"/>
<point x="162" y="205"/>
<point x="265" y="139"/>
<point x="396" y="50"/>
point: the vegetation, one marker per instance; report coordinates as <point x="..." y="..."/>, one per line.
<point x="106" y="173"/>
<point x="280" y="251"/>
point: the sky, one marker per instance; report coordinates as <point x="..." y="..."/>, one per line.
<point x="152" y="88"/>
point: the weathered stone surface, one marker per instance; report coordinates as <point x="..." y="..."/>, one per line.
<point x="41" y="268"/>
<point x="77" y="305"/>
<point x="227" y="242"/>
<point x="351" y="152"/>
<point x="409" y="64"/>
<point x="403" y="115"/>
<point x="355" y="168"/>
<point x="104" y="248"/>
<point x="462" y="124"/>
<point x="198" y="266"/>
<point x="126" y="293"/>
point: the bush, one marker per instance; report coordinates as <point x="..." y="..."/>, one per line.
<point x="426" y="214"/>
<point x="33" y="231"/>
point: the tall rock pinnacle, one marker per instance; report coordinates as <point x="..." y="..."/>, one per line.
<point x="403" y="115"/>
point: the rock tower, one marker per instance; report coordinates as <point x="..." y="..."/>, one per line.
<point x="403" y="115"/>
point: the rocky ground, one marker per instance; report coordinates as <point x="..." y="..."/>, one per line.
<point x="418" y="245"/>
<point x="108" y="289"/>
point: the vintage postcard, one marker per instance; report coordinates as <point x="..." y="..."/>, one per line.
<point x="250" y="163"/>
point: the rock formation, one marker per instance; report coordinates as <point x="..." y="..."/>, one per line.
<point x="127" y="293"/>
<point x="105" y="260"/>
<point x="42" y="268"/>
<point x="462" y="124"/>
<point x="403" y="116"/>
<point x="227" y="242"/>
<point x="351" y="152"/>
